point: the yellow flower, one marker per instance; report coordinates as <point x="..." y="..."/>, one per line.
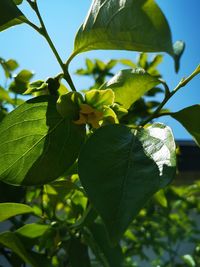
<point x="89" y="115"/>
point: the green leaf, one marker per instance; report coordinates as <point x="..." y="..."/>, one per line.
<point x="4" y="96"/>
<point x="113" y="255"/>
<point x="100" y="98"/>
<point x="33" y="230"/>
<point x="11" y="241"/>
<point x="20" y="83"/>
<point x="8" y="210"/>
<point x="8" y="66"/>
<point x="130" y="84"/>
<point x="143" y="60"/>
<point x="161" y="198"/>
<point x="189" y="118"/>
<point x="78" y="254"/>
<point x="154" y="63"/>
<point x="127" y="168"/>
<point x="37" y="145"/>
<point x="10" y="15"/>
<point x="128" y="62"/>
<point x="35" y="87"/>
<point x="2" y="114"/>
<point x="18" y="2"/>
<point x="188" y="259"/>
<point x="124" y="25"/>
<point x="24" y="76"/>
<point x="11" y="64"/>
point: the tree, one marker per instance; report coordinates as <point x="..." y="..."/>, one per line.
<point x="87" y="163"/>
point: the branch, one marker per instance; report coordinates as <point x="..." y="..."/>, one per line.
<point x="44" y="33"/>
<point x="169" y="94"/>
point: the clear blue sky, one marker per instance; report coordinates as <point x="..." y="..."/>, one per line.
<point x="63" y="18"/>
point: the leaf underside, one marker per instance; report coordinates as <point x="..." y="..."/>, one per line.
<point x="137" y="25"/>
<point x="127" y="168"/>
<point x="10" y="15"/>
<point x="37" y="145"/>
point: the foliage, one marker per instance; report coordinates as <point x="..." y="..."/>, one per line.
<point x="89" y="170"/>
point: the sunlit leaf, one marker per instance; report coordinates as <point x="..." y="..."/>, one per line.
<point x="35" y="87"/>
<point x="130" y="84"/>
<point x="37" y="145"/>
<point x="120" y="185"/>
<point x="124" y="25"/>
<point x="189" y="118"/>
<point x="8" y="210"/>
<point x="32" y="230"/>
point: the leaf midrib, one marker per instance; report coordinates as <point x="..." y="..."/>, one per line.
<point x="124" y="182"/>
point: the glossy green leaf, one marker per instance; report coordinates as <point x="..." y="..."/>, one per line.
<point x="32" y="230"/>
<point x="127" y="168"/>
<point x="124" y="25"/>
<point x="10" y="15"/>
<point x="11" y="241"/>
<point x="130" y="84"/>
<point x="37" y="145"/>
<point x="113" y="255"/>
<point x="189" y="118"/>
<point x="8" y="210"/>
<point x="20" y="83"/>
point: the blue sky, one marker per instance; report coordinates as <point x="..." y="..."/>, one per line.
<point x="63" y="18"/>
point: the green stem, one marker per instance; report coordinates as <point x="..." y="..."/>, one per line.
<point x="35" y="27"/>
<point x="156" y="113"/>
<point x="44" y="33"/>
<point x="70" y="59"/>
<point x="185" y="81"/>
<point x="169" y="94"/>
